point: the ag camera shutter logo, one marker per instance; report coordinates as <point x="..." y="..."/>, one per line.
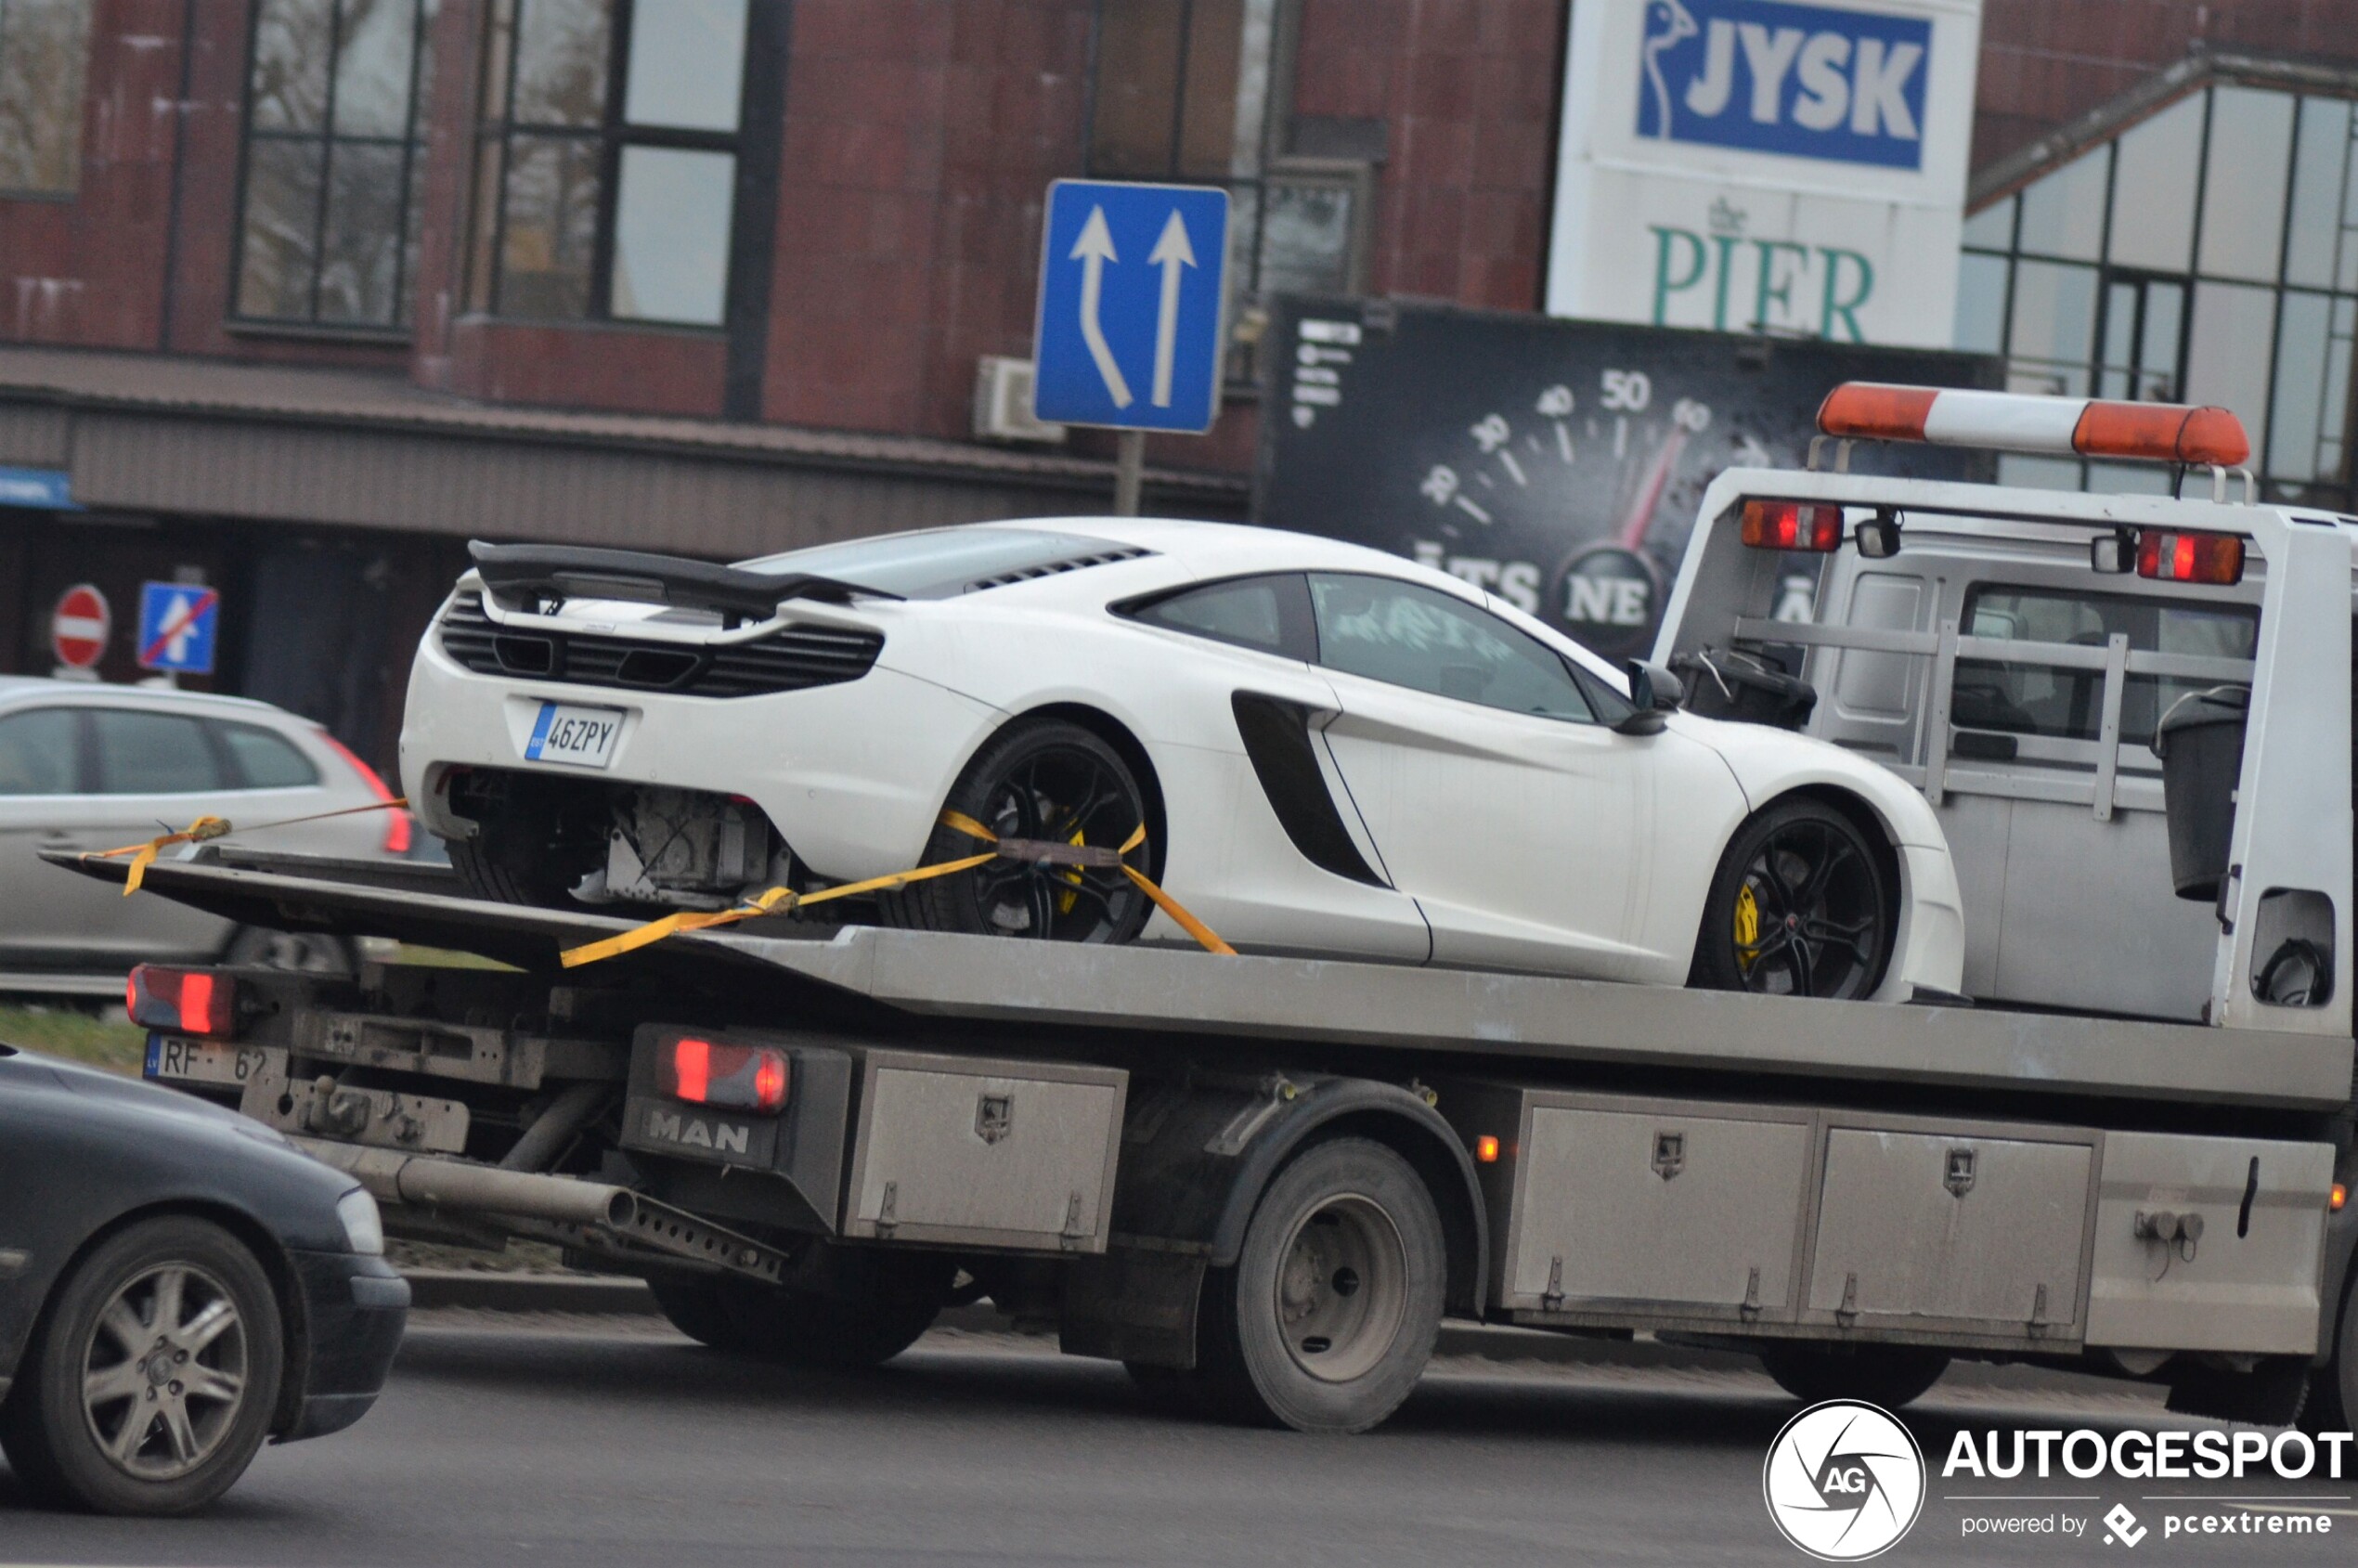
<point x="1797" y="81"/>
<point x="1844" y="1481"/>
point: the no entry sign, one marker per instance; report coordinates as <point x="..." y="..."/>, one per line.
<point x="78" y="627"/>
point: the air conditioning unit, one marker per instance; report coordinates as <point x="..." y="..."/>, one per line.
<point x="1003" y="402"/>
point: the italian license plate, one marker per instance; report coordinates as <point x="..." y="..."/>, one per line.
<point x="201" y="1061"/>
<point x="565" y="733"/>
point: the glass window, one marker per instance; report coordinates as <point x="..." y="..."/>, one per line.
<point x="37" y="752"/>
<point x="265" y="759"/>
<point x="2310" y="359"/>
<point x="2055" y="320"/>
<point x="2321" y="158"/>
<point x="2066" y="704"/>
<point x="1408" y="635"/>
<point x="2153" y="192"/>
<point x="2227" y="354"/>
<point x="941" y="563"/>
<point x="605" y="199"/>
<point x="45" y="61"/>
<point x="2242" y="199"/>
<point x="1184" y="90"/>
<point x="2063" y="215"/>
<point x="1981" y="303"/>
<point x="1269" y="614"/>
<point x="1992" y="228"/>
<point x="153" y="752"/>
<point x="335" y="156"/>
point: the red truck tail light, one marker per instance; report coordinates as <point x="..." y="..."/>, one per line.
<point x="731" y="1077"/>
<point x="399" y="827"/>
<point x="2174" y="557"/>
<point x="1791" y="526"/>
<point x="181" y="1000"/>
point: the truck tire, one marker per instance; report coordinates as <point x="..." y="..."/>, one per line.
<point x="154" y="1375"/>
<point x="878" y="1305"/>
<point x="1327" y="1320"/>
<point x="1889" y="1376"/>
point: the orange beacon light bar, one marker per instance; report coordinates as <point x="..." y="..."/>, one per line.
<point x="2011" y="422"/>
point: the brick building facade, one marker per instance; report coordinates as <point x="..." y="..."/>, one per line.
<point x="713" y="275"/>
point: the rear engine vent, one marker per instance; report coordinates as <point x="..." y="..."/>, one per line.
<point x="1050" y="569"/>
<point x="789" y="660"/>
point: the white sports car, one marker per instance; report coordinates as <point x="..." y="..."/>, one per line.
<point x="1330" y="750"/>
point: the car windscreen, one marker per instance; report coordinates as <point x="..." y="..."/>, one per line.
<point x="942" y="563"/>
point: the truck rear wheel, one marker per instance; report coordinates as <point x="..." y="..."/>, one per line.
<point x="1327" y="1320"/>
<point x="1889" y="1376"/>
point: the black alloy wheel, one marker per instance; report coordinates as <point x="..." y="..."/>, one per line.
<point x="1803" y="905"/>
<point x="1043" y="782"/>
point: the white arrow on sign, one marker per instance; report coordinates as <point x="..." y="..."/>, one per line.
<point x="1093" y="250"/>
<point x="1171" y="252"/>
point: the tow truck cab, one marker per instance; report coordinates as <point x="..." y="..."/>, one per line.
<point x="2012" y="653"/>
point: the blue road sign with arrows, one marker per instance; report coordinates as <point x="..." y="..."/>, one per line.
<point x="178" y="626"/>
<point x="1131" y="286"/>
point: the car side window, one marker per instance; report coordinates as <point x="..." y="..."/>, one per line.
<point x="1410" y="635"/>
<point x="153" y="752"/>
<point x="1269" y="614"/>
<point x="264" y="758"/>
<point x="37" y="751"/>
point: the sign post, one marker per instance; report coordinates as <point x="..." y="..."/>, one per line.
<point x="78" y="631"/>
<point x="1127" y="337"/>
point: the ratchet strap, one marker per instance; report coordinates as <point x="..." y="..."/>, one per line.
<point x="207" y="828"/>
<point x="779" y="901"/>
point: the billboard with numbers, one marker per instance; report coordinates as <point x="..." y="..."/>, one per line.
<point x="1558" y="464"/>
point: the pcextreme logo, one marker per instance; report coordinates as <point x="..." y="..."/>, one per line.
<point x="1844" y="1481"/>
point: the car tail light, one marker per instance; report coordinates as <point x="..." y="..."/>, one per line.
<point x="732" y="1077"/>
<point x="1791" y="526"/>
<point x="2174" y="556"/>
<point x="181" y="1000"/>
<point x="399" y="828"/>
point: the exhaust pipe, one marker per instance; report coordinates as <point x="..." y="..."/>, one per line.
<point x="455" y="1187"/>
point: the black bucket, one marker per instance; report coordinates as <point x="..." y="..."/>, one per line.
<point x="2200" y="741"/>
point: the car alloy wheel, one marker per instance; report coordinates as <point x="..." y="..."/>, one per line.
<point x="1046" y="780"/>
<point x="163" y="1374"/>
<point x="1803" y="905"/>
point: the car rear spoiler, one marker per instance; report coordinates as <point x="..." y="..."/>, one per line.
<point x="539" y="571"/>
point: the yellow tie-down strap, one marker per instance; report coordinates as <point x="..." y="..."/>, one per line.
<point x="205" y="829"/>
<point x="779" y="901"/>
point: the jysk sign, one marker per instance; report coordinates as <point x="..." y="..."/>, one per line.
<point x="1797" y="80"/>
<point x="1764" y="166"/>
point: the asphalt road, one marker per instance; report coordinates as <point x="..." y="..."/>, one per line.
<point x="591" y="1442"/>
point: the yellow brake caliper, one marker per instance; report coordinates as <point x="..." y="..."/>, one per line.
<point x="1747" y="925"/>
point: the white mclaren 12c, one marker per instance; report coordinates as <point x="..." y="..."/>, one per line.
<point x="1331" y="751"/>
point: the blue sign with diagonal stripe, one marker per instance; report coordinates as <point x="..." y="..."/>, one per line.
<point x="179" y="623"/>
<point x="1132" y="280"/>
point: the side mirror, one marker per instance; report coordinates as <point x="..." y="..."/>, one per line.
<point x="1878" y="536"/>
<point x="1655" y="691"/>
<point x="2113" y="555"/>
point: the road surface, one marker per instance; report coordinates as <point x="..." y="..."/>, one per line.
<point x="588" y="1442"/>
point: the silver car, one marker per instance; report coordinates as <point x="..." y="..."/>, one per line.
<point x="86" y="767"/>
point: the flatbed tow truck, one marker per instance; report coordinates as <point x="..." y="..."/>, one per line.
<point x="1262" y="1182"/>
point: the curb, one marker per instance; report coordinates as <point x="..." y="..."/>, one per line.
<point x="608" y="1295"/>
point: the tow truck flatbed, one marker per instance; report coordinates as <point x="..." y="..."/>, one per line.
<point x="1424" y="1009"/>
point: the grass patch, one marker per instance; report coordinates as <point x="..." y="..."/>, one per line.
<point x="107" y="1040"/>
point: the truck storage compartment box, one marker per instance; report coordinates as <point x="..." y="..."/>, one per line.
<point x="2208" y="1244"/>
<point x="1617" y="1205"/>
<point x="978" y="1152"/>
<point x="1921" y="1227"/>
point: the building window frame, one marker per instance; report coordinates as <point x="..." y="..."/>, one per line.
<point x="2121" y="351"/>
<point x="327" y="139"/>
<point x="492" y="149"/>
<point x="1276" y="168"/>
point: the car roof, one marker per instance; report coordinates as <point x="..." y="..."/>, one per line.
<point x="22" y="690"/>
